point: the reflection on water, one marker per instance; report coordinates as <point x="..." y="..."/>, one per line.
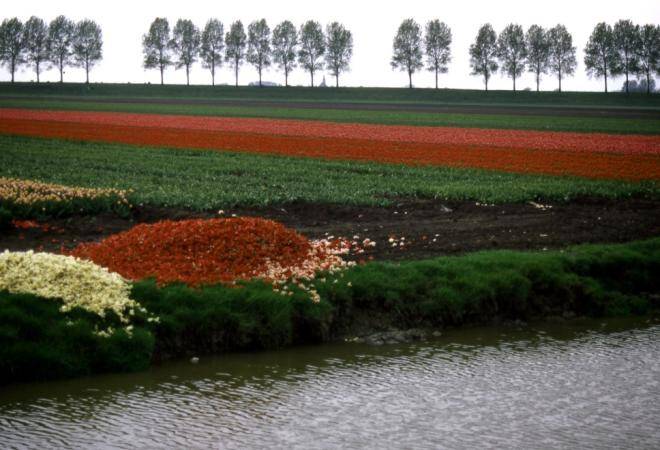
<point x="588" y="385"/>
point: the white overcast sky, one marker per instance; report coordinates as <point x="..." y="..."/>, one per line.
<point x="373" y="24"/>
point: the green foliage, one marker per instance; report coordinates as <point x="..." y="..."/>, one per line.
<point x="38" y="342"/>
<point x="12" y="44"/>
<point x="598" y="280"/>
<point x="61" y="32"/>
<point x="259" y="51"/>
<point x="512" y="51"/>
<point x="185" y="43"/>
<point x="483" y="53"/>
<point x="235" y="42"/>
<point x="207" y="180"/>
<point x="5" y="218"/>
<point x="339" y="49"/>
<point x="156" y="46"/>
<point x="212" y="45"/>
<point x="285" y="43"/>
<point x="87" y="45"/>
<point x="311" y="47"/>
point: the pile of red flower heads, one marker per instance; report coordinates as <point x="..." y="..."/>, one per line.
<point x="226" y="250"/>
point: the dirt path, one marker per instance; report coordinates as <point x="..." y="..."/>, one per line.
<point x="430" y="228"/>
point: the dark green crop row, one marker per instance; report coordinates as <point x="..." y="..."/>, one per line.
<point x="345" y="94"/>
<point x="37" y="341"/>
<point x="579" y="123"/>
<point x="207" y="179"/>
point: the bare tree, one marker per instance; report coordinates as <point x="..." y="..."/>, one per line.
<point x="483" y="53"/>
<point x="407" y="48"/>
<point x="60" y="43"/>
<point x="601" y="58"/>
<point x="35" y="37"/>
<point x="235" y="42"/>
<point x="12" y="48"/>
<point x="87" y="45"/>
<point x="213" y="42"/>
<point x="538" y="52"/>
<point x="339" y="49"/>
<point x="259" y="46"/>
<point x="185" y="45"/>
<point x="626" y="40"/>
<point x="648" y="52"/>
<point x="512" y="52"/>
<point x="312" y="48"/>
<point x="285" y="47"/>
<point x="561" y="52"/>
<point x="438" y="53"/>
<point x="156" y="46"/>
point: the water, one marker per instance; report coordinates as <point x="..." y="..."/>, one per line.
<point x="590" y="384"/>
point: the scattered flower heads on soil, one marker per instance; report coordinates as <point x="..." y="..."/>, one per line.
<point x="76" y="282"/>
<point x="226" y="250"/>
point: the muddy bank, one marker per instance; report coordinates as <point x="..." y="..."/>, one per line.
<point x="420" y="229"/>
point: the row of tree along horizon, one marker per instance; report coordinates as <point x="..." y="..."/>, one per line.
<point x="625" y="49"/>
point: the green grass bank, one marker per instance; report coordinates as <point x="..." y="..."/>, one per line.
<point x="37" y="341"/>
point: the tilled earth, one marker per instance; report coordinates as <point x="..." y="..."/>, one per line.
<point x="405" y="230"/>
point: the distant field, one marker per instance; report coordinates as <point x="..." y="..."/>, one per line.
<point x="203" y="179"/>
<point x="391" y="95"/>
<point x="577" y="123"/>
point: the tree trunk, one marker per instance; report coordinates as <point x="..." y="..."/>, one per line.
<point x="337" y="80"/>
<point x="409" y="79"/>
<point x="436" y="78"/>
<point x="560" y="78"/>
<point x="286" y="77"/>
<point x="187" y="75"/>
<point x="260" y="77"/>
<point x="514" y="83"/>
<point x="37" y="71"/>
<point x="61" y="73"/>
<point x="86" y="73"/>
<point x="648" y="82"/>
<point x="311" y="72"/>
<point x="236" y="71"/>
<point x="13" y="69"/>
<point x="161" y="74"/>
<point x="627" y="82"/>
<point x="606" y="82"/>
<point x="486" y="82"/>
<point x="213" y="75"/>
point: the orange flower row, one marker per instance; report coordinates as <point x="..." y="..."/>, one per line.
<point x="608" y="165"/>
<point x="519" y="139"/>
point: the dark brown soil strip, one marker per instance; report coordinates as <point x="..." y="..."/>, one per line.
<point x="430" y="228"/>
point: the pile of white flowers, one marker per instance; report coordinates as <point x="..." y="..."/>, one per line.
<point x="77" y="282"/>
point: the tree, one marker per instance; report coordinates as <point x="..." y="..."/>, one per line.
<point x="407" y="48"/>
<point x="601" y="57"/>
<point x="561" y="56"/>
<point x="285" y="46"/>
<point x="156" y="46"/>
<point x="60" y="39"/>
<point x="235" y="42"/>
<point x="483" y="53"/>
<point x="339" y="49"/>
<point x="312" y="47"/>
<point x="87" y="45"/>
<point x="213" y="42"/>
<point x="437" y="41"/>
<point x="626" y="40"/>
<point x="35" y="38"/>
<point x="12" y="49"/>
<point x="259" y="45"/>
<point x="648" y="52"/>
<point x="185" y="45"/>
<point x="512" y="52"/>
<point x="538" y="52"/>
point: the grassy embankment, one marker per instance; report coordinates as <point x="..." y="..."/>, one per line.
<point x="37" y="341"/>
<point x="389" y="95"/>
<point x="207" y="180"/>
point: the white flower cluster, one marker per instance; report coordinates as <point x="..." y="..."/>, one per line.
<point x="77" y="282"/>
<point x="324" y="256"/>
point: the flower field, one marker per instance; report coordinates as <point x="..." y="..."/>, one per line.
<point x="589" y="155"/>
<point x="30" y="198"/>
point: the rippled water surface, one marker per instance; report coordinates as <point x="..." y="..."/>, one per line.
<point x="578" y="385"/>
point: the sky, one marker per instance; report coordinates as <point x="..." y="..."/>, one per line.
<point x="373" y="24"/>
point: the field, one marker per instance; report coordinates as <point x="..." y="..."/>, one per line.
<point x="322" y="198"/>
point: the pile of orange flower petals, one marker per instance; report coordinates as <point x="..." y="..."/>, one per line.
<point x="210" y="251"/>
